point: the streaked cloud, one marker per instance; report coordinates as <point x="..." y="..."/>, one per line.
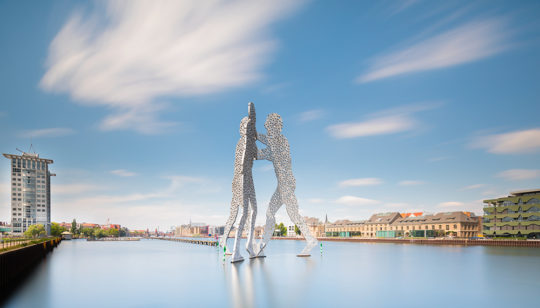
<point x="378" y="126"/>
<point x="411" y="183"/>
<point x="474" y="186"/>
<point x="360" y="182"/>
<point x="353" y="201"/>
<point x="47" y="132"/>
<point x="74" y="189"/>
<point x="127" y="55"/>
<point x="384" y="122"/>
<point x="519" y="174"/>
<point x="311" y="115"/>
<point x="436" y="159"/>
<point x="466" y="43"/>
<point x="399" y="6"/>
<point x="123" y="172"/>
<point x="516" y="142"/>
<point x="451" y="204"/>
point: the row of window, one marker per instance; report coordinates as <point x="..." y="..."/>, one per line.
<point x="533" y="209"/>
<point x="30" y="164"/>
<point x="531" y="201"/>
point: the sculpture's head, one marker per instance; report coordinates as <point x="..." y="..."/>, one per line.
<point x="244" y="126"/>
<point x="273" y="124"/>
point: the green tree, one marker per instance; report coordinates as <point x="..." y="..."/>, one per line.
<point x="113" y="232"/>
<point x="124" y="231"/>
<point x="281" y="229"/>
<point x="56" y="229"/>
<point x="88" y="232"/>
<point x="35" y="231"/>
<point x="99" y="233"/>
<point x="296" y="230"/>
<point x="74" y="226"/>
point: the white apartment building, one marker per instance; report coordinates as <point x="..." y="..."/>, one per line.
<point x="30" y="192"/>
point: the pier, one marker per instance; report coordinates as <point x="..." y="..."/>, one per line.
<point x="198" y="241"/>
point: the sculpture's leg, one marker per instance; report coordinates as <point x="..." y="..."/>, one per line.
<point x="273" y="207"/>
<point x="236" y="256"/>
<point x="229" y="224"/>
<point x="252" y="216"/>
<point x="292" y="209"/>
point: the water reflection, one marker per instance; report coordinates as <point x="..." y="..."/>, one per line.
<point x="241" y="283"/>
<point x="253" y="283"/>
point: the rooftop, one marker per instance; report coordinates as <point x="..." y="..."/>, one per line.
<point x="28" y="156"/>
<point x="525" y="191"/>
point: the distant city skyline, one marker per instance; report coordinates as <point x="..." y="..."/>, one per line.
<point x="413" y="106"/>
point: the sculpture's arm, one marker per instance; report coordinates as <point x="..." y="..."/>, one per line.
<point x="262" y="138"/>
<point x="264" y="154"/>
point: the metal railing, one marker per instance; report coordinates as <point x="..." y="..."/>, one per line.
<point x="12" y="242"/>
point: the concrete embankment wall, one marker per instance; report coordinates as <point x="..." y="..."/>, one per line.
<point x="16" y="264"/>
<point x="461" y="242"/>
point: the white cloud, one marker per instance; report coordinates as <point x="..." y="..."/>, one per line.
<point x="47" y="132"/>
<point x="315" y="200"/>
<point x="519" y="174"/>
<point x="474" y="186"/>
<point x="360" y="182"/>
<point x="122" y="172"/>
<point x="378" y="126"/>
<point x="451" y="204"/>
<point x="311" y="115"/>
<point x="467" y="43"/>
<point x="179" y="181"/>
<point x="410" y="183"/>
<point x="352" y="201"/>
<point x="388" y="121"/>
<point x="126" y="55"/>
<point x="517" y="142"/>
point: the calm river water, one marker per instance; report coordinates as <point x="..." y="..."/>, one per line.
<point x="155" y="273"/>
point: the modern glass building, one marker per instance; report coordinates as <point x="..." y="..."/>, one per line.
<point x="515" y="215"/>
<point x="30" y="192"/>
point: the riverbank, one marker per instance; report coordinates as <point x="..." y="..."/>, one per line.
<point x="16" y="264"/>
<point x="424" y="241"/>
<point x="114" y="239"/>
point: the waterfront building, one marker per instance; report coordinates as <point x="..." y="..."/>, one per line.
<point x="89" y="225"/>
<point x="30" y="192"/>
<point x="192" y="229"/>
<point x="456" y="224"/>
<point x="393" y="225"/>
<point x="5" y="228"/>
<point x="517" y="214"/>
<point x="291" y="231"/>
<point x="316" y="227"/>
<point x="380" y="222"/>
<point x="346" y="228"/>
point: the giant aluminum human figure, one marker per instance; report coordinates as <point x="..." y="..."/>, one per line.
<point x="243" y="189"/>
<point x="278" y="152"/>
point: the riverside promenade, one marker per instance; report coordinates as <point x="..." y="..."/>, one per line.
<point x="426" y="241"/>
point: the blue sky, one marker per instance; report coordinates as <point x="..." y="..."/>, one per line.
<point x="388" y="106"/>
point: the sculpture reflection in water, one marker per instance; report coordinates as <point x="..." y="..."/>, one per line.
<point x="278" y="152"/>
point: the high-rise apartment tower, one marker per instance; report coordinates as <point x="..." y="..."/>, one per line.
<point x="30" y="192"/>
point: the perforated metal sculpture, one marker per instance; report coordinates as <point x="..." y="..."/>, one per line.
<point x="242" y="187"/>
<point x="278" y="152"/>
